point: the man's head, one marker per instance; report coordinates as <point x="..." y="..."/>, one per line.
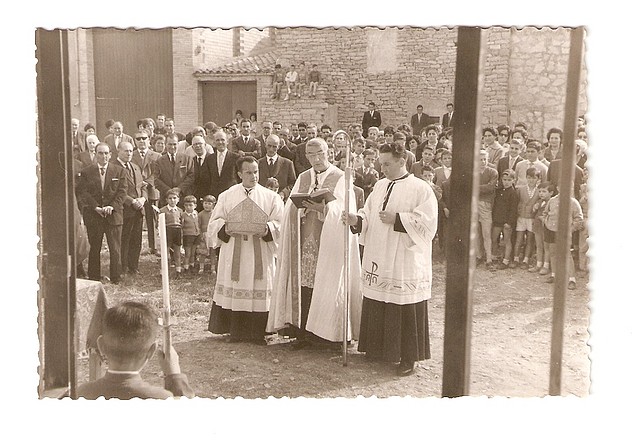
<point x="312" y="131"/>
<point x="427" y="173"/>
<point x="316" y="152"/>
<point x="358" y="145"/>
<point x="533" y="149"/>
<point x="446" y="158"/>
<point x="141" y="139"/>
<point x="356" y="130"/>
<point x="277" y="127"/>
<point x="129" y="332"/>
<point x="325" y="131"/>
<point x="400" y="139"/>
<point x="449" y="107"/>
<point x="103" y="154"/>
<point x="369" y="157"/>
<point x="173" y="197"/>
<point x="92" y="142"/>
<point x="272" y="142"/>
<point x="117" y="128"/>
<point x="508" y="178"/>
<point x="372" y="132"/>
<point x="125" y="152"/>
<point x="372" y="106"/>
<point x="294" y="131"/>
<point x="393" y="161"/>
<point x="419" y="109"/>
<point x="267" y="128"/>
<point x="172" y="144"/>
<point x="484" y="159"/>
<point x="302" y="130"/>
<point x="160" y="120"/>
<point x="245" y="127"/>
<point x="428" y="153"/>
<point x="515" y="148"/>
<point x="169" y="126"/>
<point x="220" y="140"/>
<point x="75" y="123"/>
<point x="197" y="143"/>
<point x="248" y="171"/>
<point x="533" y="176"/>
<point x="239" y="114"/>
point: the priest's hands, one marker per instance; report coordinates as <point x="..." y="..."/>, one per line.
<point x="311" y="205"/>
<point x="350" y="218"/>
<point x="387" y="217"/>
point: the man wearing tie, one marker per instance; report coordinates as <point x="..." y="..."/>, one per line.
<point x="146" y="159"/>
<point x="245" y="143"/>
<point x="418" y="121"/>
<point x="371" y="118"/>
<point x="273" y="165"/>
<point x="88" y="157"/>
<point x="133" y="209"/>
<point x="200" y="174"/>
<point x="77" y="137"/>
<point x="101" y="192"/>
<point x="221" y="166"/>
<point x="448" y="120"/>
<point x="173" y="170"/>
<point x="512" y="159"/>
<point x="117" y="135"/>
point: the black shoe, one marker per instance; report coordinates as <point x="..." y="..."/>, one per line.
<point x="406" y="368"/>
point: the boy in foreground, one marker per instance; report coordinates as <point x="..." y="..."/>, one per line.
<point x="128" y="342"/>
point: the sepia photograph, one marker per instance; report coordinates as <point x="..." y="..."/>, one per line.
<point x="271" y="219"/>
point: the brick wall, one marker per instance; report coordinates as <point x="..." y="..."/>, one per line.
<point x="186" y="106"/>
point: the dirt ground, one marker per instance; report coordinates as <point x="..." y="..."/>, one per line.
<point x="510" y="346"/>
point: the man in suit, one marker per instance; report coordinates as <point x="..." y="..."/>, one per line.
<point x="101" y="192"/>
<point x="221" y="166"/>
<point x="77" y="137"/>
<point x="286" y="149"/>
<point x="301" y="162"/>
<point x="443" y="172"/>
<point x="200" y="174"/>
<point x="371" y="118"/>
<point x="245" y="143"/>
<point x="512" y="159"/>
<point x="88" y="157"/>
<point x="273" y="165"/>
<point x="418" y="121"/>
<point x="448" y="119"/>
<point x="117" y="135"/>
<point x="146" y="159"/>
<point x="133" y="209"/>
<point x="173" y="170"/>
<point x="267" y="130"/>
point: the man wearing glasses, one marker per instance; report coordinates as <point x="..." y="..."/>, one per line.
<point x="146" y="159"/>
<point x="116" y="136"/>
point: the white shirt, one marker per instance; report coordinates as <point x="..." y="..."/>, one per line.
<point x="221" y="155"/>
<point x="272" y="160"/>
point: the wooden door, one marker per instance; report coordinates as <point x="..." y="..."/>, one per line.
<point x="220" y="100"/>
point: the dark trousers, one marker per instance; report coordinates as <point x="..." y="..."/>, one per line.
<point x="151" y="219"/>
<point x="96" y="229"/>
<point x="131" y="241"/>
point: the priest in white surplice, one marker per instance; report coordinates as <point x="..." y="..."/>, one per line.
<point x="397" y="225"/>
<point x="309" y="288"/>
<point x="246" y="264"/>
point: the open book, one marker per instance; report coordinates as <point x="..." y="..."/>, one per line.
<point x="323" y="195"/>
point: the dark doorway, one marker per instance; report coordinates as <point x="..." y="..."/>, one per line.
<point x="220" y="100"/>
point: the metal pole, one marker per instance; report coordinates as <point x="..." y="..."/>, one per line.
<point x="463" y="214"/>
<point x="563" y="238"/>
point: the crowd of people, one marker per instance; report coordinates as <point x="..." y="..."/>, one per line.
<point x="239" y="203"/>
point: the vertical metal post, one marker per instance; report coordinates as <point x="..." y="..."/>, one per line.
<point x="462" y="222"/>
<point x="563" y="238"/>
<point x="57" y="261"/>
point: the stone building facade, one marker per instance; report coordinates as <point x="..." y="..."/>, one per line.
<point x="524" y="73"/>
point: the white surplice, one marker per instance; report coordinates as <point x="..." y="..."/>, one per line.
<point x="296" y="254"/>
<point x="396" y="266"/>
<point x="247" y="294"/>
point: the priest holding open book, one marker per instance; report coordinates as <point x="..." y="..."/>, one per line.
<point x="245" y="225"/>
<point x="309" y="286"/>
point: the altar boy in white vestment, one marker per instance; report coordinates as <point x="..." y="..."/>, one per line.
<point x="309" y="289"/>
<point x="246" y="264"/>
<point x="397" y="225"/>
